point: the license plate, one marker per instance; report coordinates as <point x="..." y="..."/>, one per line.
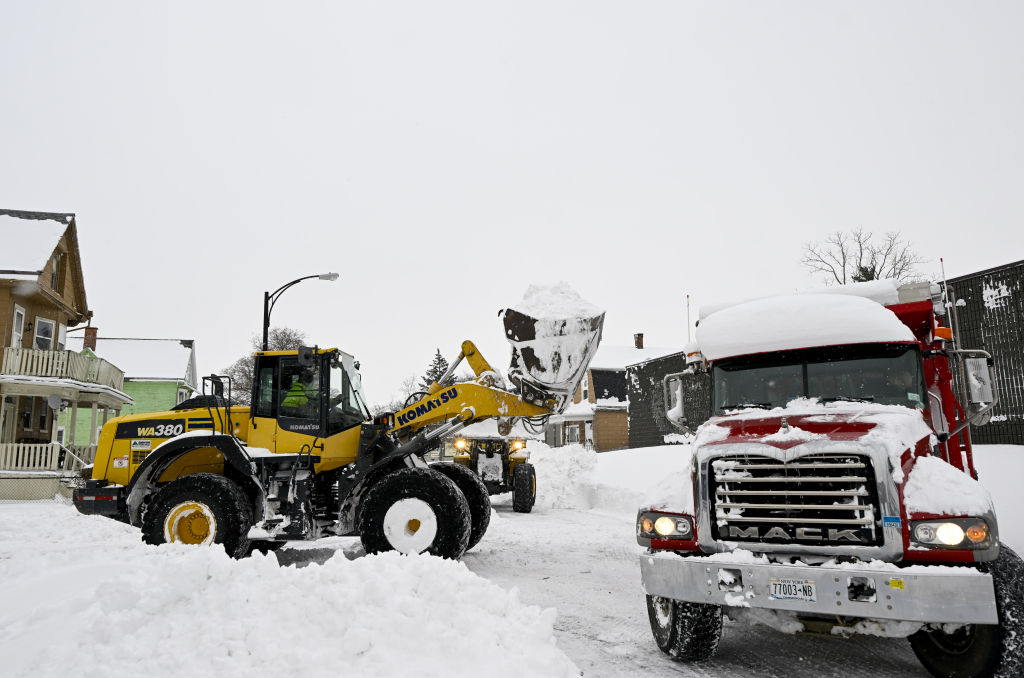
<point x="793" y="589"/>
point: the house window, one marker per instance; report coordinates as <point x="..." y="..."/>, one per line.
<point x="572" y="434"/>
<point x="44" y="334"/>
<point x="62" y="336"/>
<point x="26" y="412"/>
<point x="42" y="415"/>
<point x="57" y="273"/>
<point x="60" y="435"/>
<point x="182" y="395"/>
<point x="19" y="326"/>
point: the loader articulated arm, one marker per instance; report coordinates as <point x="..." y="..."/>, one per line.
<point x="550" y="356"/>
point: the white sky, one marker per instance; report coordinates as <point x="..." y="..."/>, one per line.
<point x="443" y="155"/>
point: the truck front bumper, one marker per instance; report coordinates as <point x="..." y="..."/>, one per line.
<point x="921" y="593"/>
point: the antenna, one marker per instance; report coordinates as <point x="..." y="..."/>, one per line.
<point x="687" y="318"/>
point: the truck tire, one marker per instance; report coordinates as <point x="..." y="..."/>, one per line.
<point x="524" y="488"/>
<point x="686" y="632"/>
<point x="415" y="510"/>
<point x="476" y="494"/>
<point x="204" y="508"/>
<point x="982" y="650"/>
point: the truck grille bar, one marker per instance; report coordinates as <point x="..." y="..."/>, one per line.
<point x="816" y="499"/>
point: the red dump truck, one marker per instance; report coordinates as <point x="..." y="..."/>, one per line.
<point x="833" y="488"/>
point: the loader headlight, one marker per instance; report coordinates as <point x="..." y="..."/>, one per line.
<point x="460" y="444"/>
<point x="960" y="533"/>
<point x="518" y="444"/>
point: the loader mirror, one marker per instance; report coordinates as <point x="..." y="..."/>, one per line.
<point x="306" y="354"/>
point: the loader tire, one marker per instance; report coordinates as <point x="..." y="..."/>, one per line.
<point x="686" y="632"/>
<point x="982" y="650"/>
<point x="524" y="488"/>
<point x="415" y="510"/>
<point x="203" y="508"/>
<point x="476" y="494"/>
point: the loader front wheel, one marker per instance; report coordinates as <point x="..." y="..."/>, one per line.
<point x="524" y="488"/>
<point x="200" y="509"/>
<point x="476" y="494"/>
<point x="415" y="510"/>
<point x="981" y="650"/>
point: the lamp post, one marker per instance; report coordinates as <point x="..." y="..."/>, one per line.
<point x="270" y="298"/>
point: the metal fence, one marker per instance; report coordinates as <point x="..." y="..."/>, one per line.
<point x="41" y="472"/>
<point x="28" y="486"/>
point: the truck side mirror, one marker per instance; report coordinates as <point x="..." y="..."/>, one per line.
<point x="672" y="385"/>
<point x="980" y="387"/>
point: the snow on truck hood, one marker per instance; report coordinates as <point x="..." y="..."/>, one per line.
<point x="894" y="428"/>
<point x="796" y="321"/>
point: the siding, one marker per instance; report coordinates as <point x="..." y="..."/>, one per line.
<point x="647" y="422"/>
<point x="611" y="430"/>
<point x="990" y="316"/>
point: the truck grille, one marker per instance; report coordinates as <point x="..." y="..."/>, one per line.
<point x="817" y="499"/>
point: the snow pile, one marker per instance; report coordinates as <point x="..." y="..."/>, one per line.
<point x="937" y="487"/>
<point x="622" y="481"/>
<point x="555" y="302"/>
<point x="85" y="593"/>
<point x="797" y="321"/>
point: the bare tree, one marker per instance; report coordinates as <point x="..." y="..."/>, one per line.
<point x="855" y="256"/>
<point x="409" y="386"/>
<point x="241" y="371"/>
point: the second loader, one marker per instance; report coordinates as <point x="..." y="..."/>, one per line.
<point x="306" y="459"/>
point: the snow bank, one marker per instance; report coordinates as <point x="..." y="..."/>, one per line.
<point x="573" y="477"/>
<point x="937" y="487"/>
<point x="83" y="594"/>
<point x="797" y="321"/>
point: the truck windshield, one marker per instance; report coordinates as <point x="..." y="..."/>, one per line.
<point x="880" y="373"/>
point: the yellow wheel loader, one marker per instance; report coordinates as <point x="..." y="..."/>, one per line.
<point x="306" y="460"/>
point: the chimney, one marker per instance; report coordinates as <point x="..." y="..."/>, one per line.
<point x="638" y="339"/>
<point x="89" y="340"/>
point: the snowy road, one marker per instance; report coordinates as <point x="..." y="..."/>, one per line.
<point x="87" y="588"/>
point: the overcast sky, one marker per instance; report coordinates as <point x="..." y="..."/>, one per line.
<point x="441" y="156"/>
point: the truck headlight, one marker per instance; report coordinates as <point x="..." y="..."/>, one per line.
<point x="655" y="525"/>
<point x="962" y="533"/>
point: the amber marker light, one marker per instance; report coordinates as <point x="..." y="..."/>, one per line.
<point x="977" y="533"/>
<point x="647" y="525"/>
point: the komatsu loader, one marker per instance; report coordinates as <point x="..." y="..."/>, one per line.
<point x="306" y="459"/>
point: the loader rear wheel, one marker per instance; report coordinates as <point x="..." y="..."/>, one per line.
<point x="981" y="650"/>
<point x="524" y="488"/>
<point x="476" y="494"/>
<point x="686" y="632"/>
<point x="415" y="510"/>
<point x="204" y="508"/>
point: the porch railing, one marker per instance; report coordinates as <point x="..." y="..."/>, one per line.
<point x="45" y="457"/>
<point x="34" y="362"/>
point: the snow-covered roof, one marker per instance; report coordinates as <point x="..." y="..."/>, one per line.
<point x="797" y="321"/>
<point x="28" y="243"/>
<point x="145" y="359"/>
<point x="489" y="429"/>
<point x="612" y="357"/>
<point x="884" y="292"/>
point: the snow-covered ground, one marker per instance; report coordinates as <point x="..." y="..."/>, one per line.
<point x="549" y="593"/>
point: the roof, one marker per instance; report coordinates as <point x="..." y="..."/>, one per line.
<point x="488" y="428"/>
<point x="612" y="357"/>
<point x="29" y="240"/>
<point x="145" y="359"/>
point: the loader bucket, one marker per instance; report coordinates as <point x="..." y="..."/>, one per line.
<point x="550" y="355"/>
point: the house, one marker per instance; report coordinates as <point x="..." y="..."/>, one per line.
<point x="598" y="416"/>
<point x="42" y="294"/>
<point x="159" y="373"/>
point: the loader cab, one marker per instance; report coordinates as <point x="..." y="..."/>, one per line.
<point x="306" y="396"/>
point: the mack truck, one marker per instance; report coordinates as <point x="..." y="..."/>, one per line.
<point x="833" y="488"/>
<point x="307" y="460"/>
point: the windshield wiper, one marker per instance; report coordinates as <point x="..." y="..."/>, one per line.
<point x="848" y="399"/>
<point x="742" y="406"/>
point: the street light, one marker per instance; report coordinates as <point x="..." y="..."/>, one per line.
<point x="270" y="298"/>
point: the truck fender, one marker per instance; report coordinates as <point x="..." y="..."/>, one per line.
<point x="237" y="466"/>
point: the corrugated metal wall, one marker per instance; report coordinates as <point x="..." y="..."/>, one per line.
<point x="989" y="309"/>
